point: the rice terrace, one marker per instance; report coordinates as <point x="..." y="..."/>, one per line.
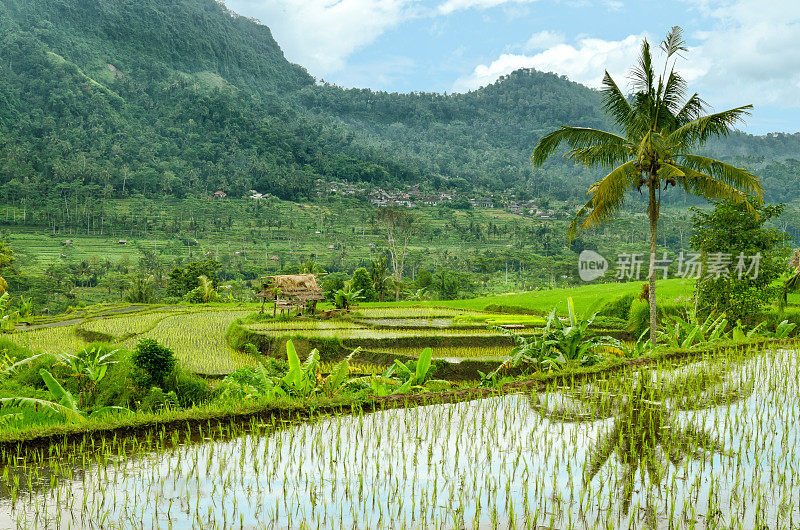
<point x="236" y="295"/>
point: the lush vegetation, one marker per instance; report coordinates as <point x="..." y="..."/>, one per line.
<point x="135" y="352"/>
<point x="100" y="102"/>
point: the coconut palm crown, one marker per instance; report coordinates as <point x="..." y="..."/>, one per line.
<point x="659" y="130"/>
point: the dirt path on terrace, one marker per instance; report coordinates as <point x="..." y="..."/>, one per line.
<point x="79" y="319"/>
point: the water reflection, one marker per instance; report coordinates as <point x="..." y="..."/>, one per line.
<point x="645" y="432"/>
<point x="700" y="446"/>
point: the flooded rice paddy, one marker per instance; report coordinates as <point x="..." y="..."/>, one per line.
<point x="705" y="445"/>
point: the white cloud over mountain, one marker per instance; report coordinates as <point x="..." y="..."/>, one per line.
<point x="321" y="34"/>
<point x="584" y="62"/>
<point x="749" y="53"/>
<point x="743" y="51"/>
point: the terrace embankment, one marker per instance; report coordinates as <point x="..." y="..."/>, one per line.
<point x="210" y="419"/>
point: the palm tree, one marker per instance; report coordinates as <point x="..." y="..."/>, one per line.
<point x="659" y="130"/>
<point x="381" y="279"/>
<point x="206" y="288"/>
<point x="645" y="411"/>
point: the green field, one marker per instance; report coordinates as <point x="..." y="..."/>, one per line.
<point x="455" y="330"/>
<point x="196" y="335"/>
<point x="587" y="298"/>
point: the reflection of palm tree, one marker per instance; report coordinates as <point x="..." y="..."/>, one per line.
<point x="645" y="431"/>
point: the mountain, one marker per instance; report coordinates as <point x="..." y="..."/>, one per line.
<point x="104" y="98"/>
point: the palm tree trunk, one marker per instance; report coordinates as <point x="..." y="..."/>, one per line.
<point x="653" y="211"/>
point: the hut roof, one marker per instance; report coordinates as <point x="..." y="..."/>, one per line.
<point x="301" y="287"/>
<point x="795" y="261"/>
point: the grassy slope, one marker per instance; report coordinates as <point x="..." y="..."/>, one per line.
<point x="196" y="335"/>
<point x="586" y="297"/>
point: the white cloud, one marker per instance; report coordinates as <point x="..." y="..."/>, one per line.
<point x="449" y="6"/>
<point x="584" y="62"/>
<point x="457" y="5"/>
<point x="321" y="34"/>
<point x="751" y="54"/>
<point x="543" y="40"/>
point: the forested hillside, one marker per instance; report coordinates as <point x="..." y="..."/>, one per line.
<point x="108" y="98"/>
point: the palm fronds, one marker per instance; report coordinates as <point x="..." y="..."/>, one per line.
<point x="611" y="148"/>
<point x="615" y="103"/>
<point x="674" y="43"/>
<point x="745" y="182"/>
<point x="698" y="131"/>
<point x="607" y="198"/>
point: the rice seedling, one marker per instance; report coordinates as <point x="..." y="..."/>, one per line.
<point x="198" y="340"/>
<point x="457" y="353"/>
<point x="388" y="334"/>
<point x="126" y="325"/>
<point x="56" y="339"/>
<point x="402" y="311"/>
<point x="196" y="335"/>
<point x="712" y="443"/>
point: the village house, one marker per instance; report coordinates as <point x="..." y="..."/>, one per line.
<point x="258" y="196"/>
<point x="482" y="202"/>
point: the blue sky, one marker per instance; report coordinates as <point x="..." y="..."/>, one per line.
<point x="742" y="51"/>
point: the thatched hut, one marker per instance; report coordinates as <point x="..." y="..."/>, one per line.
<point x="291" y="290"/>
<point x="794" y="262"/>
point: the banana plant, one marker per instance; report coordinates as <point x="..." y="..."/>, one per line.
<point x="89" y="366"/>
<point x="305" y="380"/>
<point x="401" y="378"/>
<point x="345" y="298"/>
<point x="63" y="404"/>
<point x="9" y="365"/>
<point x="339" y="376"/>
<point x="302" y="380"/>
<point x="679" y="333"/>
<point x="25" y="306"/>
<point x="782" y="331"/>
<point x="559" y="343"/>
<point x="8" y="318"/>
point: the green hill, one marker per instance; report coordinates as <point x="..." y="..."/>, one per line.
<point x="105" y="98"/>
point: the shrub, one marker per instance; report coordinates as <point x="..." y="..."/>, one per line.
<point x="119" y="386"/>
<point x="157" y="399"/>
<point x="606" y="322"/>
<point x="639" y="314"/>
<point x="773" y="318"/>
<point x="618" y="308"/>
<point x="14" y="350"/>
<point x="361" y="281"/>
<point x="332" y="283"/>
<point x="155" y="361"/>
<point x="513" y="309"/>
<point x="28" y="374"/>
<point x="15" y="389"/>
<point x="735" y="231"/>
<point x="199" y="295"/>
<point x="638" y="317"/>
<point x="189" y="388"/>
